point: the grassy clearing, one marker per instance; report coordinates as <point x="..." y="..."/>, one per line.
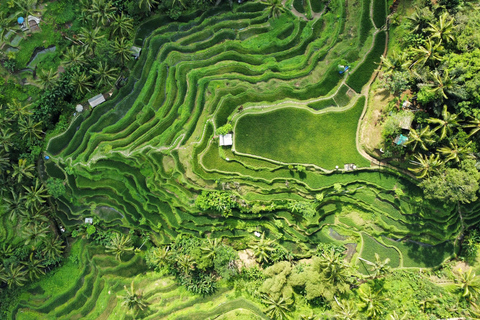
<point x="379" y="13"/>
<point x="298" y="136"/>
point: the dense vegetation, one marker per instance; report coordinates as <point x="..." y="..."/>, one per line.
<point x="292" y="221"/>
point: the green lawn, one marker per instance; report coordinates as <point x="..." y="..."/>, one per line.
<point x="294" y="135"/>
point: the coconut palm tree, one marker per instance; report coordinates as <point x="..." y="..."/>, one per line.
<point x="469" y="284"/>
<point x="446" y="124"/>
<point x="15" y="275"/>
<point x="420" y="19"/>
<point x="6" y="251"/>
<point x="106" y="75"/>
<point x="160" y="256"/>
<point x="444" y="29"/>
<point x="378" y="268"/>
<point x="346" y="310"/>
<point x="48" y="79"/>
<point x="121" y="48"/>
<point x="186" y="263"/>
<point x="36" y="194"/>
<point x="6" y="23"/>
<point x="430" y="53"/>
<point x="6" y="136"/>
<point x="15" y="205"/>
<point x="74" y="56"/>
<point x="420" y="138"/>
<point x="22" y="170"/>
<point x="30" y="130"/>
<point x="133" y="301"/>
<point x="371" y="301"/>
<point x="81" y="82"/>
<point x="473" y="124"/>
<point x="455" y="152"/>
<point x="52" y="248"/>
<point x="17" y="111"/>
<point x="395" y="62"/>
<point x="149" y="4"/>
<point x="426" y="165"/>
<point x="102" y="12"/>
<point x="277" y="308"/>
<point x="262" y="249"/>
<point x="275" y="7"/>
<point x="26" y="7"/>
<point x="34" y="215"/>
<point x="90" y="39"/>
<point x="34" y="234"/>
<point x="122" y="26"/>
<point x="396" y="316"/>
<point x="210" y="248"/>
<point x="443" y="86"/>
<point x="119" y="244"/>
<point x="34" y="267"/>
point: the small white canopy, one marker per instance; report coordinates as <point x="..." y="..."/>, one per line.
<point x="89" y="220"/>
<point x="226" y="139"/>
<point x="79" y="108"/>
<point x="95" y="101"/>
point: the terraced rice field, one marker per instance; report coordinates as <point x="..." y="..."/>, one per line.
<point x="142" y="157"/>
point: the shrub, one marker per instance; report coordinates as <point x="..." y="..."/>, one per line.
<point x="56" y="187"/>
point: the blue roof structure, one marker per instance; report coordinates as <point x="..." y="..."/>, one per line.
<point x="400" y="140"/>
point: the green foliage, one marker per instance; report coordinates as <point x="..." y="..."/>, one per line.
<point x="56" y="187"/>
<point x="222" y="202"/>
<point x="225" y="129"/>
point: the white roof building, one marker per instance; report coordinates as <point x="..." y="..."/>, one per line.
<point x="95" y="101"/>
<point x="89" y="220"/>
<point x="135" y="51"/>
<point x="226" y="139"/>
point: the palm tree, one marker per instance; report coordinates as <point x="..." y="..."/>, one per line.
<point x="30" y="130"/>
<point x="14" y="276"/>
<point x="426" y="165"/>
<point x="81" y="82"/>
<point x="275" y="7"/>
<point x="34" y="267"/>
<point x="262" y="249"/>
<point x="277" y="308"/>
<point x="90" y="38"/>
<point x="36" y="195"/>
<point x="122" y="26"/>
<point x="395" y="62"/>
<point x="133" y="301"/>
<point x="160" y="256"/>
<point x="22" y="170"/>
<point x="444" y="30"/>
<point x="396" y="316"/>
<point x="15" y="205"/>
<point x="6" y="23"/>
<point x="102" y="11"/>
<point x="469" y="283"/>
<point x="6" y="251"/>
<point x="121" y="48"/>
<point x="27" y="7"/>
<point x="104" y="73"/>
<point x="430" y="52"/>
<point x="74" y="56"/>
<point x="334" y="272"/>
<point x="446" y="124"/>
<point x="379" y="267"/>
<point x="420" y="19"/>
<point x="34" y="215"/>
<point x="119" y="244"/>
<point x="346" y="310"/>
<point x="185" y="263"/>
<point x="148" y="3"/>
<point x="474" y="123"/>
<point x="210" y="248"/>
<point x="33" y="234"/>
<point x="48" y="79"/>
<point x="420" y="138"/>
<point x="455" y="152"/>
<point x="444" y="86"/>
<point x="17" y="111"/>
<point x="53" y="248"/>
<point x="6" y="136"/>
<point x="371" y="301"/>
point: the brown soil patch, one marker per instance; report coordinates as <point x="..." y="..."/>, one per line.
<point x="247" y="260"/>
<point x="460" y="265"/>
<point x="351" y="249"/>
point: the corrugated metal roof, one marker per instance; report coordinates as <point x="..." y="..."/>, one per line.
<point x="226" y="139"/>
<point x="95" y="101"/>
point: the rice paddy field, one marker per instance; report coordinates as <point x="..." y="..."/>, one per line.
<point x="141" y="158"/>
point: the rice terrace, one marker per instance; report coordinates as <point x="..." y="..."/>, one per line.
<point x="227" y="173"/>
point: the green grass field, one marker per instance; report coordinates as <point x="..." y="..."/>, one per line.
<point x="294" y="135"/>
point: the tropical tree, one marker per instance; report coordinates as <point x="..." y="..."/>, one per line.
<point x="122" y="26"/>
<point x="36" y="194"/>
<point x="34" y="234"/>
<point x="6" y="23"/>
<point x="371" y="301"/>
<point x="277" y="308"/>
<point x="149" y="4"/>
<point x="34" y="215"/>
<point x="446" y="124"/>
<point x="443" y="85"/>
<point x="346" y="310"/>
<point x="90" y="39"/>
<point x="421" y="19"/>
<point x="456" y="152"/>
<point x="420" y="138"/>
<point x="74" y="56"/>
<point x="395" y="62"/>
<point x="444" y="29"/>
<point x="159" y="257"/>
<point x="26" y="7"/>
<point x="121" y="48"/>
<point x="427" y="54"/>
<point x="34" y="267"/>
<point x="22" y="170"/>
<point x="102" y="11"/>
<point x="6" y="139"/>
<point x="17" y="111"/>
<point x="15" y="205"/>
<point x="426" y="165"/>
<point x="52" y="248"/>
<point x="48" y="79"/>
<point x="396" y="316"/>
<point x="119" y="244"/>
<point x="473" y="124"/>
<point x="262" y="249"/>
<point x="275" y="7"/>
<point x="81" y="82"/>
<point x="106" y="75"/>
<point x="469" y="284"/>
<point x="378" y="268"/>
<point x="210" y="248"/>
<point x="30" y="130"/>
<point x="186" y="263"/>
<point x="133" y="301"/>
<point x="14" y="276"/>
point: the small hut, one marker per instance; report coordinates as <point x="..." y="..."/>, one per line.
<point x="95" y="101"/>
<point x="226" y="139"/>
